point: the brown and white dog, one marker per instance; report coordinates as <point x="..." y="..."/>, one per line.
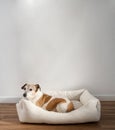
<point x="47" y="102"/>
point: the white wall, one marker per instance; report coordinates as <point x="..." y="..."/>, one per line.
<point x="60" y="44"/>
<point x="9" y="66"/>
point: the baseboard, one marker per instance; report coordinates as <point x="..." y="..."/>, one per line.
<point x="106" y="98"/>
<point x="16" y="99"/>
<point x="9" y="99"/>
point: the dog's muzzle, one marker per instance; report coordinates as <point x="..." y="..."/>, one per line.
<point x="24" y="94"/>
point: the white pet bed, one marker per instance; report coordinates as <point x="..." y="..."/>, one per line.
<point x="88" y="112"/>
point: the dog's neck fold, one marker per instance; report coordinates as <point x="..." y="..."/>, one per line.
<point x="39" y="94"/>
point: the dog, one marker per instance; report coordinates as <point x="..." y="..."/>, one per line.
<point x="35" y="95"/>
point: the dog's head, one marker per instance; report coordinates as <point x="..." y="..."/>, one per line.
<point x="30" y="90"/>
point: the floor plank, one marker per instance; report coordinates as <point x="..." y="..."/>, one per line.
<point x="9" y="120"/>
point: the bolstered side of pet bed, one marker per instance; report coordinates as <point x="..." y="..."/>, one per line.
<point x="88" y="112"/>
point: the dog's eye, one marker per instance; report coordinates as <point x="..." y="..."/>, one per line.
<point x="24" y="88"/>
<point x="30" y="89"/>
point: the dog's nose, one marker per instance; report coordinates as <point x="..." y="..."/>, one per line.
<point x="24" y="94"/>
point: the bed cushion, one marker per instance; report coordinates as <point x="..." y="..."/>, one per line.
<point x="88" y="109"/>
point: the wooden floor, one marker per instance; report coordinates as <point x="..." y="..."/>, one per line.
<point x="9" y="120"/>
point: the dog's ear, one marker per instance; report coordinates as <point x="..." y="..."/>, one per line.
<point x="37" y="87"/>
<point x="23" y="86"/>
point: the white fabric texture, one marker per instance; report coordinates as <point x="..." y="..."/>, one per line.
<point x="88" y="112"/>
